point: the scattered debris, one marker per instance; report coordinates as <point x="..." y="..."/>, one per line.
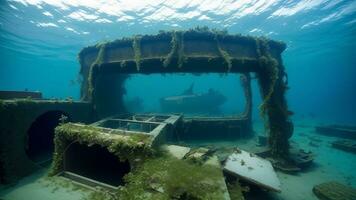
<point x="253" y="169"/>
<point x="342" y="131"/>
<point x="223" y="153"/>
<point x="345" y="145"/>
<point x="284" y="166"/>
<point x="334" y="191"/>
<point x="299" y="159"/>
<point x="199" y="155"/>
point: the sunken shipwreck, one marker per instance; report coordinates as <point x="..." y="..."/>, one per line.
<point x="95" y="146"/>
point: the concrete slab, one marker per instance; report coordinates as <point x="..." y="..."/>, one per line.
<point x="177" y="151"/>
<point x="253" y="169"/>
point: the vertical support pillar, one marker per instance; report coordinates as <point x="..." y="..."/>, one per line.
<point x="108" y="94"/>
<point x="246" y="85"/>
<point x="274" y="107"/>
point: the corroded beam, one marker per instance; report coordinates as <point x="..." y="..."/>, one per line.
<point x="192" y="51"/>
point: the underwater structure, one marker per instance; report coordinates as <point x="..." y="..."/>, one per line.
<point x="107" y="65"/>
<point x="98" y="126"/>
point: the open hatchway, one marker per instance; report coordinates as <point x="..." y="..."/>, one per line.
<point x="40" y="146"/>
<point x="94" y="165"/>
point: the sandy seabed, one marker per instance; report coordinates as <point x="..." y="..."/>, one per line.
<point x="329" y="165"/>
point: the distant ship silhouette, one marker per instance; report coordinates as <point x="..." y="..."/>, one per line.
<point x="188" y="102"/>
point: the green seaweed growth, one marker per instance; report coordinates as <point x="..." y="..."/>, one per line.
<point x="177" y="49"/>
<point x="224" y="54"/>
<point x="261" y="46"/>
<point x="169" y="178"/>
<point x="101" y="55"/>
<point x="236" y="191"/>
<point x="90" y="82"/>
<point x="199" y="155"/>
<point x="274" y="104"/>
<point x="271" y="70"/>
<point x="27" y="100"/>
<point x="100" y="58"/>
<point x="125" y="147"/>
<point x="101" y="194"/>
<point x="136" y="45"/>
<point x="181" y="57"/>
<point x="174" y="49"/>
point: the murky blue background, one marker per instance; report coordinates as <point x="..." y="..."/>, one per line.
<point x="40" y="40"/>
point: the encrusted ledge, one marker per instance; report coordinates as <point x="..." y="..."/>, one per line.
<point x="131" y="147"/>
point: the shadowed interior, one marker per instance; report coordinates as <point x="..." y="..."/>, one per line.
<point x="40" y="144"/>
<point x="95" y="162"/>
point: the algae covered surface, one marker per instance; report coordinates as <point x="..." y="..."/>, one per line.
<point x="155" y="174"/>
<point x="125" y="147"/>
<point x="166" y="177"/>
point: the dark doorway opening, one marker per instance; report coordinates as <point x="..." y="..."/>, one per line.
<point x="40" y="143"/>
<point x="95" y="162"/>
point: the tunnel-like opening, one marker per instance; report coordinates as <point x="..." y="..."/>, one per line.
<point x="40" y="136"/>
<point x="96" y="163"/>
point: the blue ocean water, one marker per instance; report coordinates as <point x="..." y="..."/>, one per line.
<point x="40" y="40"/>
